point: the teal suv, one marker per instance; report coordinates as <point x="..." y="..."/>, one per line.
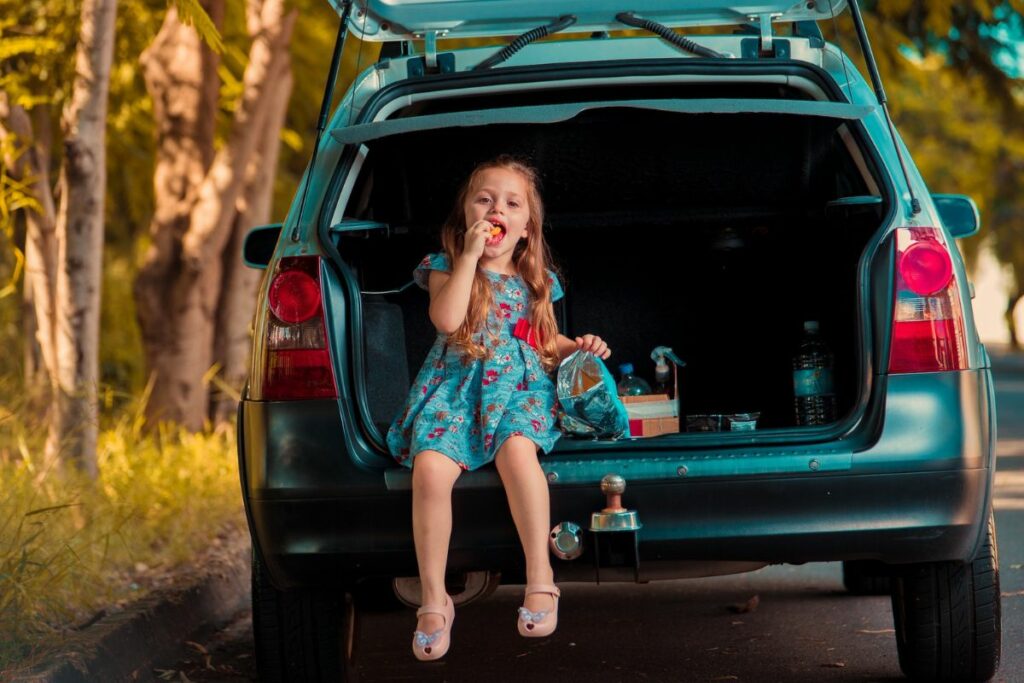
<point x="710" y="193"/>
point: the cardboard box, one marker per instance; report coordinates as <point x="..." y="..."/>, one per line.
<point x="654" y="414"/>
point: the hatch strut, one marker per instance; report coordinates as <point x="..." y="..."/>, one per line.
<point x="630" y="19"/>
<point x="524" y="40"/>
<point x="325" y="108"/>
<point x="876" y="82"/>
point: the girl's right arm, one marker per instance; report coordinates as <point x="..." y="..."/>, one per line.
<point x="450" y="292"/>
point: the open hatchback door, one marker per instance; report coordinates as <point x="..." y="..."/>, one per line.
<point x="385" y="20"/>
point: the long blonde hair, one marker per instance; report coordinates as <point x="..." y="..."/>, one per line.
<point x="532" y="261"/>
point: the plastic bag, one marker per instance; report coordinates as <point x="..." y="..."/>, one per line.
<point x="589" y="403"/>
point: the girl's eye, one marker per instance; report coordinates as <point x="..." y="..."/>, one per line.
<point x="482" y="200"/>
<point x="514" y="205"/>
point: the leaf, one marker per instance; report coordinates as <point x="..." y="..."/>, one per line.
<point x="292" y="139"/>
<point x="748" y="606"/>
<point x="192" y="14"/>
<point x="876" y="631"/>
<point x="50" y="508"/>
<point x="197" y="646"/>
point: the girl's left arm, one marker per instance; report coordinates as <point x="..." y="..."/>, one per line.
<point x="588" y="342"/>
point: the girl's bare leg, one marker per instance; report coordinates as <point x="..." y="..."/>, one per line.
<point x="527" y="491"/>
<point x="433" y="476"/>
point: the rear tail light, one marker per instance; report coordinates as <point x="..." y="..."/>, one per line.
<point x="298" y="361"/>
<point x="928" y="321"/>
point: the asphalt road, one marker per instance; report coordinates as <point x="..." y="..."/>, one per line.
<point x="804" y="627"/>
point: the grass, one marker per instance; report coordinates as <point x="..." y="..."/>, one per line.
<point x="70" y="547"/>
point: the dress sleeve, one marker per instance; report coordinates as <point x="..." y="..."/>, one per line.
<point x="556" y="286"/>
<point x="431" y="262"/>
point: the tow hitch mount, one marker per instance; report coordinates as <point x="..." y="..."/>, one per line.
<point x="614" y="531"/>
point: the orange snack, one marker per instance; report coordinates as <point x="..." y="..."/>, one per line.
<point x="495" y="231"/>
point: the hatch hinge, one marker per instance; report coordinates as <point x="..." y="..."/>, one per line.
<point x="767" y="46"/>
<point x="430" y="51"/>
<point x="431" y="62"/>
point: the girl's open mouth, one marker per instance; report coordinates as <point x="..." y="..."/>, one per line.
<point x="497" y="233"/>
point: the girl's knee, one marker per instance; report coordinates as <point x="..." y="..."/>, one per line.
<point x="517" y="451"/>
<point x="434" y="470"/>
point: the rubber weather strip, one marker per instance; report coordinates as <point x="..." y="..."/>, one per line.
<point x="555" y="113"/>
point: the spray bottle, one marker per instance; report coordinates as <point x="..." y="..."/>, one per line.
<point x="662" y="371"/>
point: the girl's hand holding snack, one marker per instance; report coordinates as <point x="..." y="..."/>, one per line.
<point x="593" y="344"/>
<point x="476" y="238"/>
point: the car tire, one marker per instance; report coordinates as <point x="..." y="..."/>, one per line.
<point x="301" y="635"/>
<point x="947" y="617"/>
<point x="863" y="577"/>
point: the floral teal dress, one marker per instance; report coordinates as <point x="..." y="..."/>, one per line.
<point x="467" y="408"/>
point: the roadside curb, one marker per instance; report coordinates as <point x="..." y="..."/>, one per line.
<point x="124" y="646"/>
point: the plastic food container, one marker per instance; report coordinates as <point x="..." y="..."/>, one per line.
<point x="742" y="422"/>
<point x="703" y="423"/>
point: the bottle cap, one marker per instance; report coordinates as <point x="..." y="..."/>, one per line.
<point x="811" y="326"/>
<point x="626" y="368"/>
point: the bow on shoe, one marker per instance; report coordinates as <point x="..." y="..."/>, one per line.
<point x="532" y="617"/>
<point x="423" y="640"/>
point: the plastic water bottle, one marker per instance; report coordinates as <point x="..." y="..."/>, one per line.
<point x="630" y="384"/>
<point x="813" y="396"/>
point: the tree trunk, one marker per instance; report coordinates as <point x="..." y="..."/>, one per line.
<point x="79" y="229"/>
<point x="40" y="253"/>
<point x="238" y="295"/>
<point x="1016" y="292"/>
<point x="179" y="336"/>
<point x="1011" y="324"/>
<point x="181" y="77"/>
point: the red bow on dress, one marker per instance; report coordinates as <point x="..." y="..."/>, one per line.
<point x="524" y="331"/>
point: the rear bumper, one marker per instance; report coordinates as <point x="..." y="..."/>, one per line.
<point x="919" y="491"/>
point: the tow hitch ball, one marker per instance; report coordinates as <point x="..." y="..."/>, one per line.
<point x="613" y="533"/>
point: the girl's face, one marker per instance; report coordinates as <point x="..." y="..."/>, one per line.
<point x="499" y="196"/>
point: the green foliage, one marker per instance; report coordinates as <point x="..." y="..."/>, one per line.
<point x="122" y="362"/>
<point x="15" y="196"/>
<point x="28" y="46"/>
<point x="956" y="106"/>
<point x="34" y="39"/>
<point x="192" y="14"/>
<point x="311" y="48"/>
<point x="68" y="547"/>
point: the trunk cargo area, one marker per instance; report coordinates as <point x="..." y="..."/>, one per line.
<point x="711" y="234"/>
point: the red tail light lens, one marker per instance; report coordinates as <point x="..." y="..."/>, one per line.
<point x="298" y="361"/>
<point x="299" y="373"/>
<point x="926" y="267"/>
<point x="294" y="296"/>
<point x="928" y="325"/>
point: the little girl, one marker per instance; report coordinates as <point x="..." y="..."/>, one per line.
<point x="485" y="392"/>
